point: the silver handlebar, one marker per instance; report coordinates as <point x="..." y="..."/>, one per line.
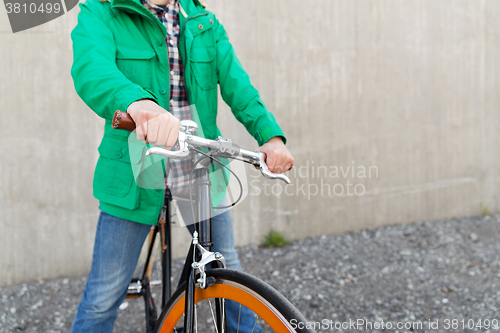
<point x="264" y="170"/>
<point x="223" y="147"/>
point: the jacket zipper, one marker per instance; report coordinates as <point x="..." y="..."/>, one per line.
<point x="185" y="22"/>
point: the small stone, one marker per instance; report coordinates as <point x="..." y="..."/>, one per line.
<point x="12" y="310"/>
<point x="405" y="252"/>
<point x="124" y="305"/>
<point x="276" y="273"/>
<point x="308" y="297"/>
<point x="65" y="281"/>
<point x="21" y="327"/>
<point x="444" y="300"/>
<point x="474" y="237"/>
<point x="379" y="302"/>
<point x="37" y="305"/>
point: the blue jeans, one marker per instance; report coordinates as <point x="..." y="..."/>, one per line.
<point x="117" y="247"/>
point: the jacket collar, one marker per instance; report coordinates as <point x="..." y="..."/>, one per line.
<point x="187" y="7"/>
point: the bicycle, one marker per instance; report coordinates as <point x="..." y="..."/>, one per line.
<point x="197" y="283"/>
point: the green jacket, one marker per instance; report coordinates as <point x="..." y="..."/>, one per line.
<point x="120" y="57"/>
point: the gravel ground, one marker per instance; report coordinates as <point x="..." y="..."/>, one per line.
<point x="428" y="272"/>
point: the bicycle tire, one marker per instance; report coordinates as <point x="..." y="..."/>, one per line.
<point x="262" y="299"/>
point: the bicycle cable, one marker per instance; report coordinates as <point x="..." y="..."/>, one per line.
<point x="211" y="157"/>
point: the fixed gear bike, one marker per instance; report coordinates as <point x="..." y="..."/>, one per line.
<point x="199" y="303"/>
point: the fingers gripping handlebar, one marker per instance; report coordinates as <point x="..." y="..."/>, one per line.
<point x="122" y="120"/>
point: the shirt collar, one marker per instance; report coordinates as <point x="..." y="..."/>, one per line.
<point x="152" y="5"/>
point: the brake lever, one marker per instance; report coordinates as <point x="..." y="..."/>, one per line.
<point x="264" y="170"/>
<point x="181" y="153"/>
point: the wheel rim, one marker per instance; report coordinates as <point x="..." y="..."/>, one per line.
<point x="233" y="291"/>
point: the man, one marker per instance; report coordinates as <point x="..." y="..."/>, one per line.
<point x="153" y="59"/>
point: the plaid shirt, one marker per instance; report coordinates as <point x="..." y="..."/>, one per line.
<point x="178" y="177"/>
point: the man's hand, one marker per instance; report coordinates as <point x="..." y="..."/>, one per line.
<point x="155" y="125"/>
<point x="278" y="158"/>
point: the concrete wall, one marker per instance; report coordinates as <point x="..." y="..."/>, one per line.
<point x="408" y="90"/>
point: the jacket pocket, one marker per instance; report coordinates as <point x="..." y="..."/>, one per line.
<point x="136" y="64"/>
<point x="113" y="177"/>
<point x="204" y="67"/>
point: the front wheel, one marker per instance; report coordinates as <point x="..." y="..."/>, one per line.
<point x="271" y="311"/>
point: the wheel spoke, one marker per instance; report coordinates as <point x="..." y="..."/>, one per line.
<point x="223" y="315"/>
<point x="239" y="315"/>
<point x="254" y="325"/>
<point x="195" y="319"/>
<point x="213" y="316"/>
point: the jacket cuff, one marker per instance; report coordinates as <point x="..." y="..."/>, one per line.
<point x="268" y="132"/>
<point x="131" y="94"/>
